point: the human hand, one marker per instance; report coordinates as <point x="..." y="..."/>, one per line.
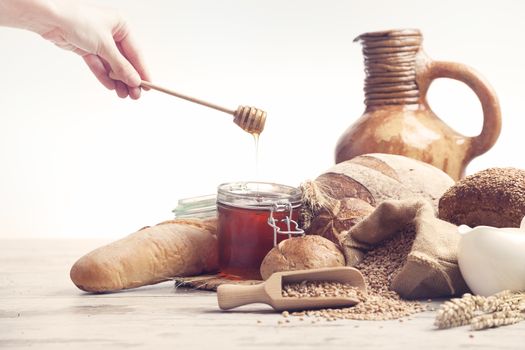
<point x="99" y="35"/>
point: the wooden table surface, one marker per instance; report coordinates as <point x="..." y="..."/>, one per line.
<point x="41" y="308"/>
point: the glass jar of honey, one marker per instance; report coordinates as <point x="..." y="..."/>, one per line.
<point x="252" y="218"/>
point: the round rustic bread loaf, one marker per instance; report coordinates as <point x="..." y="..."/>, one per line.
<point x="301" y="253"/>
<point x="349" y="191"/>
<point x="492" y="197"/>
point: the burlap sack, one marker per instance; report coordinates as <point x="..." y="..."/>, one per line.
<point x="431" y="267"/>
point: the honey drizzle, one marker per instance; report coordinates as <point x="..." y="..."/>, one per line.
<point x="256" y="142"/>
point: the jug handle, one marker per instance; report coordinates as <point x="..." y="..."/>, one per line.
<point x="486" y="95"/>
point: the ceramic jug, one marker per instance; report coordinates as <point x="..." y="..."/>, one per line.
<point x="398" y="119"/>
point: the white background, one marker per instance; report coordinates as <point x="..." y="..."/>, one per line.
<point x="76" y="161"/>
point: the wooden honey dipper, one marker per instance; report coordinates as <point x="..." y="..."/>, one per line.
<point x="250" y="119"/>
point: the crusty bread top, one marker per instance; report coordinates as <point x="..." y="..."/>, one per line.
<point x="390" y="176"/>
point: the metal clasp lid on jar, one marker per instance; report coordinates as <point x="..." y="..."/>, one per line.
<point x="283" y="206"/>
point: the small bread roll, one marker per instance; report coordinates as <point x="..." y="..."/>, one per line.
<point x="492" y="197"/>
<point x="302" y="253"/>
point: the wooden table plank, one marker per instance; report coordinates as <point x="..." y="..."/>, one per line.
<point x="40" y="307"/>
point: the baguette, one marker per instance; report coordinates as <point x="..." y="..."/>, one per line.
<point x="148" y="256"/>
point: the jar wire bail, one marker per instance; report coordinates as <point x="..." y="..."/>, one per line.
<point x="283" y="206"/>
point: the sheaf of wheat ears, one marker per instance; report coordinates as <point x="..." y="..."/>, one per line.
<point x="461" y="311"/>
<point x="496" y="319"/>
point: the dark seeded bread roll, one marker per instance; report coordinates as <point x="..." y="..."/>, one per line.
<point x="492" y="197"/>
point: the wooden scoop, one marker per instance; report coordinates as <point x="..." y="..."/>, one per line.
<point x="270" y="292"/>
<point x="250" y="119"/>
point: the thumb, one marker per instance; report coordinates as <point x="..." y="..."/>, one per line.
<point x="121" y="68"/>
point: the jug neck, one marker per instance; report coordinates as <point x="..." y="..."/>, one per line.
<point x="390" y="67"/>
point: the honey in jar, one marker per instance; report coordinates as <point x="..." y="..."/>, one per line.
<point x="244" y="233"/>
